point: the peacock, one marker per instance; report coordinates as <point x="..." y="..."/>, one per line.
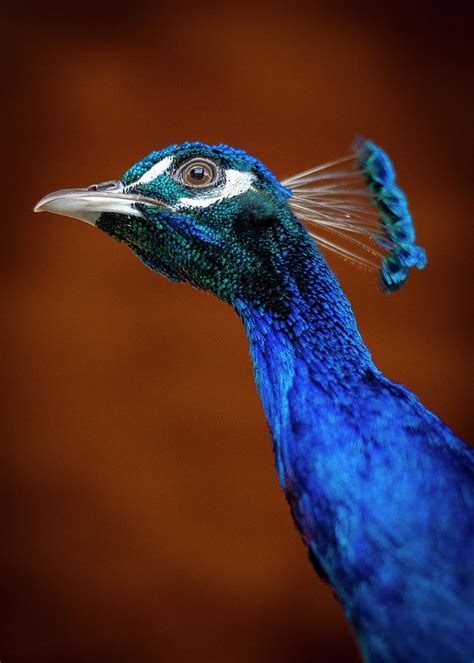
<point x="380" y="488"/>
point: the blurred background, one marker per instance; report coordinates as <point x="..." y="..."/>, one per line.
<point x="142" y="518"/>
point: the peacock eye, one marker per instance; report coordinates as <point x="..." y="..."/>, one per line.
<point x="198" y="173"/>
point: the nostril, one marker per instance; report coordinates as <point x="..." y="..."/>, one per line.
<point x="105" y="186"/>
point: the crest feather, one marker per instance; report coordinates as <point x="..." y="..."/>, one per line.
<point x="352" y="206"/>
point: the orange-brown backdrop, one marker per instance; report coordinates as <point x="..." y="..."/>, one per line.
<point x="142" y="519"/>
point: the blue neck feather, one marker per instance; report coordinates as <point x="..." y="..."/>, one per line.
<point x="312" y="359"/>
<point x="365" y="468"/>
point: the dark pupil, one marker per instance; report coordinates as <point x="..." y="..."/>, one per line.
<point x="198" y="173"/>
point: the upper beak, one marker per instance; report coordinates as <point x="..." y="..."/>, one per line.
<point x="88" y="204"/>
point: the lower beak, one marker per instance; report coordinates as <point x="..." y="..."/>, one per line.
<point x="88" y="204"/>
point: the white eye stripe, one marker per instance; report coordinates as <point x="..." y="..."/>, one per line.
<point x="155" y="171"/>
<point x="236" y="183"/>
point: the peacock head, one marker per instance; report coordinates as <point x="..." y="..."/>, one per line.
<point x="209" y="215"/>
<point x="217" y="218"/>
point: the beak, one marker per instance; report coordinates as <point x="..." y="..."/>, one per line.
<point x="88" y="204"/>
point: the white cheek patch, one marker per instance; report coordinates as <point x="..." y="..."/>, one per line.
<point x="236" y="183"/>
<point x="155" y="171"/>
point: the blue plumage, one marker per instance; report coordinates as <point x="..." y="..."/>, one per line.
<point x="381" y="490"/>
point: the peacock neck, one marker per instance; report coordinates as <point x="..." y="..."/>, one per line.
<point x="309" y="358"/>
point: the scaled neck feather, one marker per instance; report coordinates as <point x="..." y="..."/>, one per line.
<point x="309" y="357"/>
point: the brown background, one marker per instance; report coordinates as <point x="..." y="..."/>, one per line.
<point x="142" y="519"/>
